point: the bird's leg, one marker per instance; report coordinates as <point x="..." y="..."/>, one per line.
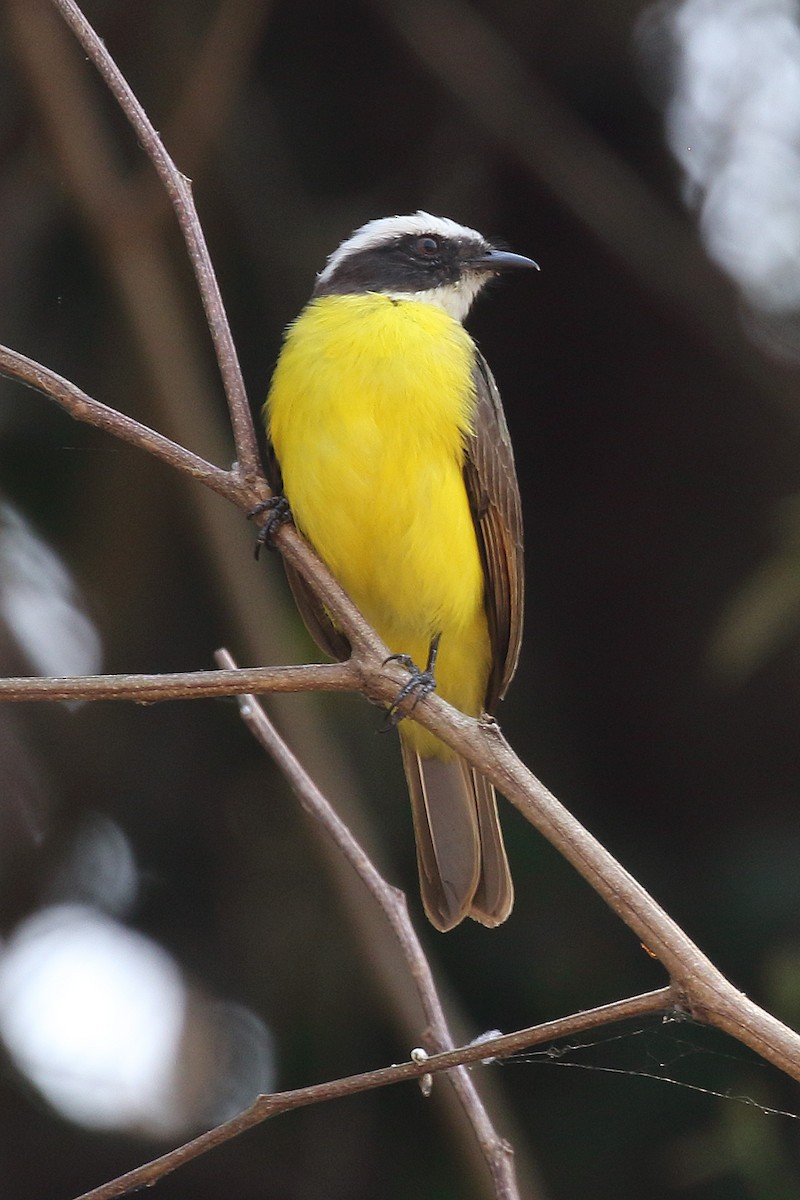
<point x="420" y="685"/>
<point x="279" y="514"/>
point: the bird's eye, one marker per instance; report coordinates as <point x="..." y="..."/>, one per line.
<point x="428" y="247"/>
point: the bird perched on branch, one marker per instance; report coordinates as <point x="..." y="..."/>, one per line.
<point x="388" y="441"/>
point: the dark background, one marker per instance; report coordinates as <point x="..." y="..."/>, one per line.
<point x="657" y="447"/>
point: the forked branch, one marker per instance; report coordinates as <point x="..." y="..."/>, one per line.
<point x="696" y="985"/>
<point x="706" y="992"/>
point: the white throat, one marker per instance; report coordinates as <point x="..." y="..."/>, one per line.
<point x="455" y="298"/>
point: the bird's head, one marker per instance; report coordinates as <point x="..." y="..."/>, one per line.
<point x="418" y="257"/>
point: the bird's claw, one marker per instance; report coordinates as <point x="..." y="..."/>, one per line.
<point x="279" y="514"/>
<point x="420" y="685"/>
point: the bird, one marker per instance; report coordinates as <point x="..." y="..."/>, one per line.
<point x="388" y="444"/>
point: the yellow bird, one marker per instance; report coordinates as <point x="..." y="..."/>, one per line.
<point x="388" y="441"/>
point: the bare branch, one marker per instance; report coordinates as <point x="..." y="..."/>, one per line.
<point x="178" y="188"/>
<point x="703" y="990"/>
<point x="497" y="1152"/>
<point x="708" y="994"/>
<point x="183" y="685"/>
<point x="83" y="408"/>
<point x="266" y="1107"/>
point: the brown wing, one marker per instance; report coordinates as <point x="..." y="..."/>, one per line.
<point x="491" y="481"/>
<point x="317" y="622"/>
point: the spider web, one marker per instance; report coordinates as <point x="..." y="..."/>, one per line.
<point x="673" y="1049"/>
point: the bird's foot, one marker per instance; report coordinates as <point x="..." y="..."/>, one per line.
<point x="420" y="684"/>
<point x="279" y="514"/>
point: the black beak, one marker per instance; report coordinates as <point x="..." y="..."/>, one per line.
<point x="501" y="260"/>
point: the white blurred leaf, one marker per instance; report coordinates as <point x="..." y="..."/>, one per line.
<point x="40" y="605"/>
<point x="93" y="1014"/>
<point x="733" y="123"/>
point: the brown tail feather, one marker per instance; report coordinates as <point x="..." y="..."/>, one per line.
<point x="494" y="895"/>
<point x="463" y="870"/>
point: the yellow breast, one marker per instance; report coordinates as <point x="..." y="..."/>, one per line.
<point x="370" y="405"/>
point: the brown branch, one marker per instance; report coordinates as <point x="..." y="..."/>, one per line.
<point x="85" y="165"/>
<point x="265" y="1107"/>
<point x="226" y="483"/>
<point x="180" y="194"/>
<point x="183" y="685"/>
<point x="706" y="993"/>
<point x="179" y="190"/>
<point x="497" y="1152"/>
<point x="92" y="412"/>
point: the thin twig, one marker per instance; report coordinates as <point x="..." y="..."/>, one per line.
<point x="265" y="1107"/>
<point x="179" y="190"/>
<point x="497" y="1151"/>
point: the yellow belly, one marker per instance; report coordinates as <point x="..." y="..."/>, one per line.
<point x="369" y="407"/>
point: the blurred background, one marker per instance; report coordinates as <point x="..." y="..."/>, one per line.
<point x="173" y="935"/>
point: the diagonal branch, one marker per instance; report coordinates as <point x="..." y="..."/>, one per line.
<point x="265" y="1107"/>
<point x="245" y="494"/>
<point x="497" y="1152"/>
<point x="707" y="994"/>
<point x="84" y="408"/>
<point x="179" y="191"/>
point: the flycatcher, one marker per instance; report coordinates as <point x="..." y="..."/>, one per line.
<point x="388" y="440"/>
